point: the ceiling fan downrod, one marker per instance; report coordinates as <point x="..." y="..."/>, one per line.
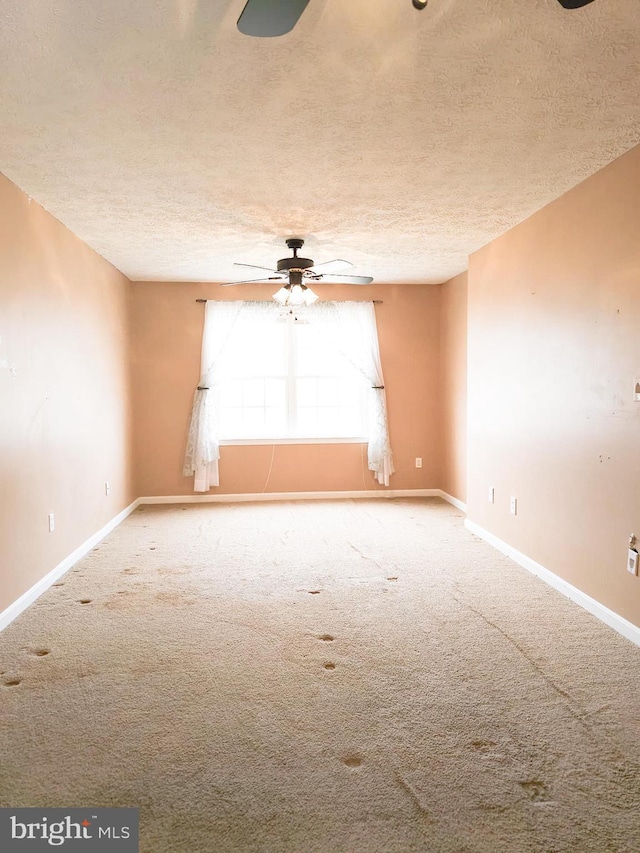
<point x="294" y="264"/>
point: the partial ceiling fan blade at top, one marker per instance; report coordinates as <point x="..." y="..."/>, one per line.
<point x="345" y="279"/>
<point x="252" y="280"/>
<point x="254" y="267"/>
<point x="331" y="266"/>
<point x="269" y="18"/>
<point x="574" y="4"/>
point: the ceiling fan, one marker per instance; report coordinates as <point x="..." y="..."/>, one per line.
<point x="269" y="18"/>
<point x="296" y="271"/>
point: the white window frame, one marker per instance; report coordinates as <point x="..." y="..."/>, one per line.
<point x="291" y="405"/>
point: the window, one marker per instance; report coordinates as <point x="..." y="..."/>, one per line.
<point x="284" y="380"/>
<point x="267" y="376"/>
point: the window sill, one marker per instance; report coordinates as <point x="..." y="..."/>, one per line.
<point x="227" y="442"/>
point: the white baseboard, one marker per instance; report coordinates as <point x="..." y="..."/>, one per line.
<point x="613" y="620"/>
<point x="291" y="496"/>
<point x="450" y="499"/>
<point x="304" y="496"/>
<point x="13" y="610"/>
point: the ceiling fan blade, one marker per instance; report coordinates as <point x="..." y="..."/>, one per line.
<point x="268" y="18"/>
<point x="252" y="280"/>
<point x="254" y="267"/>
<point x="574" y="4"/>
<point x="346" y="279"/>
<point x="331" y="266"/>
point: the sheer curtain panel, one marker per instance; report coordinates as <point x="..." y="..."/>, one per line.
<point x="352" y="328"/>
<point x="203" y="446"/>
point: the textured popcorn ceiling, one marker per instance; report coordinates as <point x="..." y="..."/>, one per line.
<point x="400" y="140"/>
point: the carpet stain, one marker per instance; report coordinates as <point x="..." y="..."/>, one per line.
<point x="483" y="745"/>
<point x="84" y="600"/>
<point x="326" y="638"/>
<point x="329" y="665"/>
<point x="536" y="790"/>
<point x="41" y="653"/>
<point x="352" y="761"/>
<point x="58" y="584"/>
<point x="314" y="591"/>
<point x="11" y="682"/>
<point x="392" y="579"/>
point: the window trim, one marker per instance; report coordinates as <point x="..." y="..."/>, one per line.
<point x="229" y="442"/>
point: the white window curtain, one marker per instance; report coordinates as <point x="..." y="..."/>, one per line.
<point x="351" y="327"/>
<point x="203" y="446"/>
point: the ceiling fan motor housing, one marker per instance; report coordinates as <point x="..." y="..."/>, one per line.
<point x="295" y="263"/>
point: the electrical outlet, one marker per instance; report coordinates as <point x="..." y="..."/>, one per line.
<point x="632" y="562"/>
<point x="52" y="522"/>
<point x="492" y="495"/>
<point x="514" y="506"/>
<point x="418" y="461"/>
<point x="107" y="488"/>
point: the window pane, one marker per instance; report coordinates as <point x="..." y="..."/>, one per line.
<point x="350" y="390"/>
<point x="253" y="392"/>
<point x="230" y="393"/>
<point x="275" y="423"/>
<point x="253" y="422"/>
<point x="307" y="422"/>
<point x="255" y="348"/>
<point x="328" y="391"/>
<point x="231" y="422"/>
<point x="315" y="354"/>
<point x="307" y="393"/>
<point x="326" y="421"/>
<point x="275" y="392"/>
<point x="350" y="422"/>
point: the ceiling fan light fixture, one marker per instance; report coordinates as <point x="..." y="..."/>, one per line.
<point x="282" y="295"/>
<point x="295" y="295"/>
<point x="309" y="296"/>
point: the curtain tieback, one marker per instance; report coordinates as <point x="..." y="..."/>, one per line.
<point x="378" y="387"/>
<point x="203" y="388"/>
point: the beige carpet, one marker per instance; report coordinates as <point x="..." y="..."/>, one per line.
<point x="322" y="676"/>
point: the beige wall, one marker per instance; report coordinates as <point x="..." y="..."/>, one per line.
<point x="167" y="335"/>
<point x="453" y="360"/>
<point x="554" y="350"/>
<point x="64" y="419"/>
